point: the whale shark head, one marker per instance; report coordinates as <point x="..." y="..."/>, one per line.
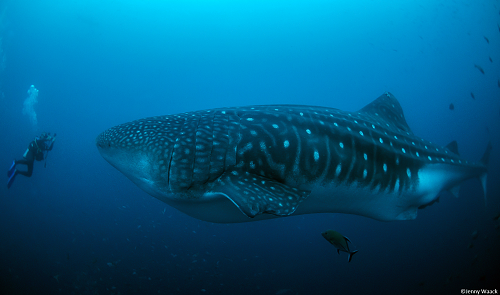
<point x="127" y="155"/>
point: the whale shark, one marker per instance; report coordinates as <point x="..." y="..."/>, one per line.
<point x="241" y="164"/>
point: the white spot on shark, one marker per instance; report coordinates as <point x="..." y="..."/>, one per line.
<point x="316" y="156"/>
<point x="338" y="170"/>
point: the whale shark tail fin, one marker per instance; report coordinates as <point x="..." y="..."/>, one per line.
<point x="486" y="156"/>
<point x="483" y="178"/>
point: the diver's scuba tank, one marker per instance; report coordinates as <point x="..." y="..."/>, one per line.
<point x="26" y="153"/>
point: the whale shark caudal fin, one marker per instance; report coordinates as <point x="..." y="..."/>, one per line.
<point x="453" y="147"/>
<point x="484" y="160"/>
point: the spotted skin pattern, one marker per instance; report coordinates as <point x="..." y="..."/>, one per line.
<point x="267" y="160"/>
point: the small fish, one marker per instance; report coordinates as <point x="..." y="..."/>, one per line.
<point x="452" y="107"/>
<point x="339" y="241"/>
<point x="472" y="95"/>
<point x="487" y="40"/>
<point x="56" y="277"/>
<point x="491" y="60"/>
<point x="479" y="68"/>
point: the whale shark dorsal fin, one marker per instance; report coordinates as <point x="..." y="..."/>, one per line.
<point x="453" y="147"/>
<point x="254" y="194"/>
<point x="387" y="108"/>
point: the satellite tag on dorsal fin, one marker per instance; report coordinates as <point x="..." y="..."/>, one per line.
<point x="387" y="107"/>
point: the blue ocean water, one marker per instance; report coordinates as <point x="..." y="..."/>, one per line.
<point x="78" y="226"/>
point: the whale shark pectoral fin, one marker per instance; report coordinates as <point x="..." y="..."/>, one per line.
<point x="455" y="190"/>
<point x="254" y="194"/>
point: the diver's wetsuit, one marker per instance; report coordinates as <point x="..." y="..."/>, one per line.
<point x="35" y="152"/>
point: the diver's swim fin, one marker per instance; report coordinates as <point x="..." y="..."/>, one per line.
<point x="12" y="169"/>
<point x="11" y="179"/>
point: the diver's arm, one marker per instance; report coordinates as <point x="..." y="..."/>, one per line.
<point x="52" y="143"/>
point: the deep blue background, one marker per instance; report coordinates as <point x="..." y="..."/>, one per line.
<point x="101" y="63"/>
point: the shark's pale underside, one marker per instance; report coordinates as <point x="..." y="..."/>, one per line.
<point x="252" y="163"/>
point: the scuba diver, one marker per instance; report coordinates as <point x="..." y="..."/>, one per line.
<point x="37" y="150"/>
